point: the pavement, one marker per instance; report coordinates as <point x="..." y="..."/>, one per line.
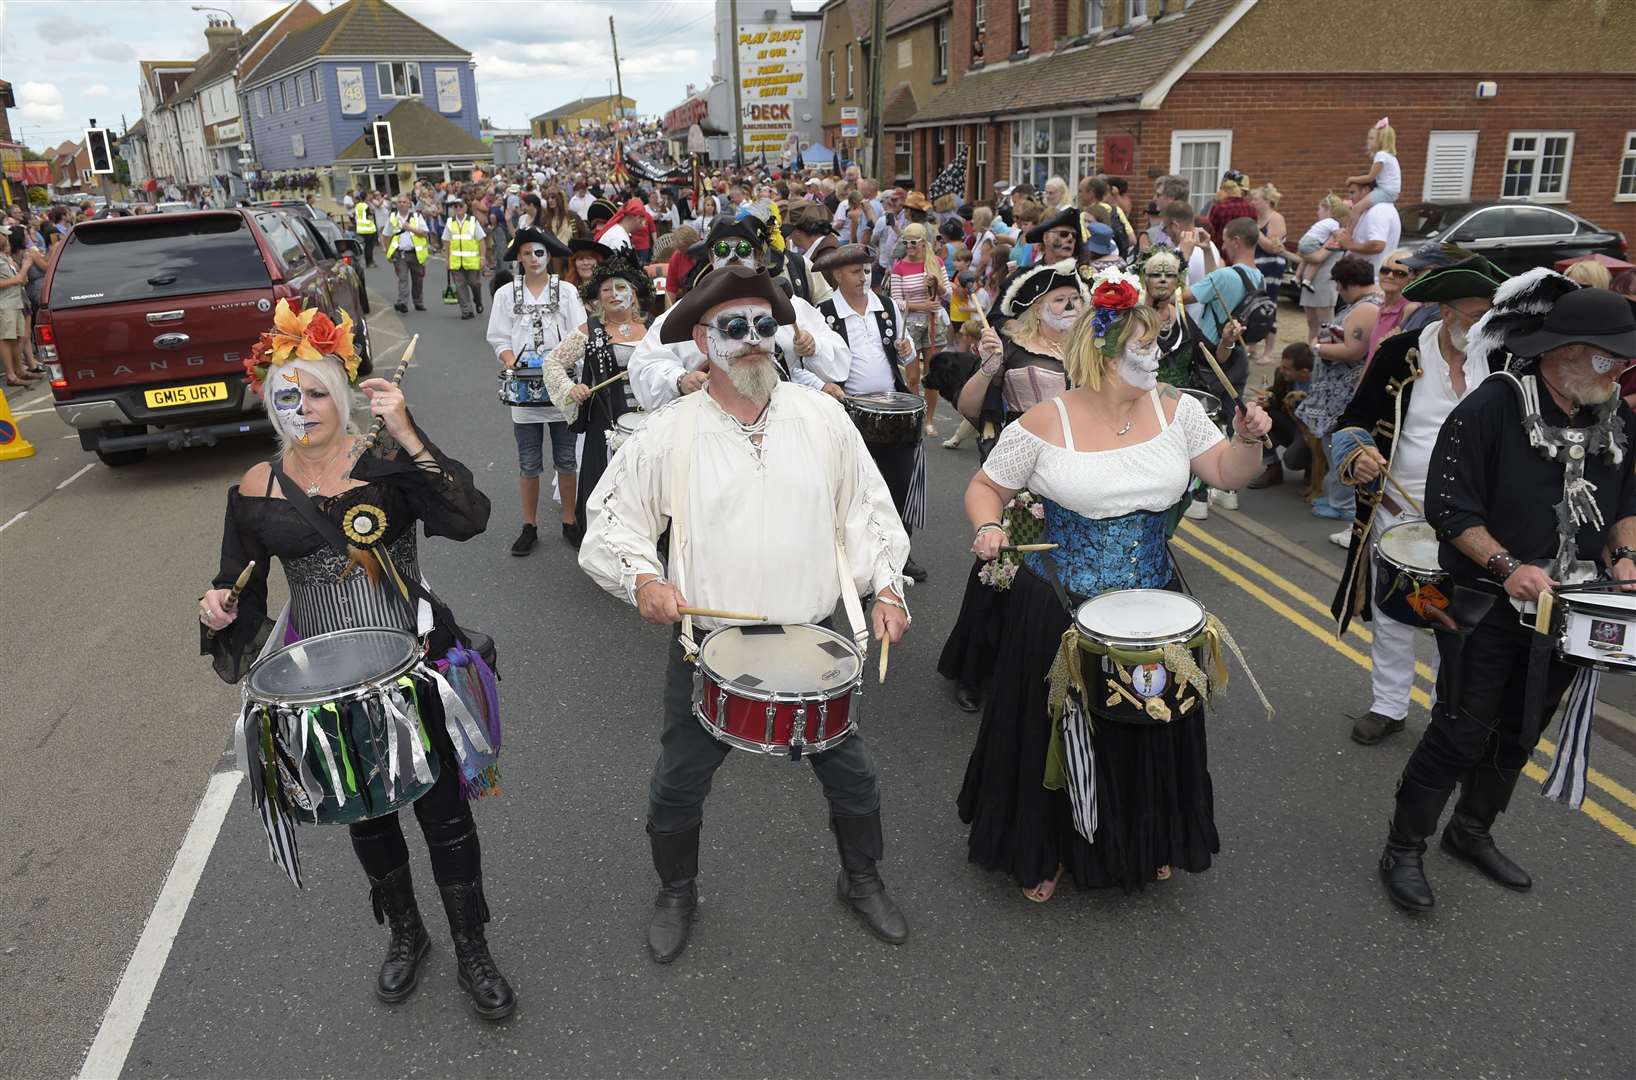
<point x="1284" y="959"/>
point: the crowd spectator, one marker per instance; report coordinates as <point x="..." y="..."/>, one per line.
<point x="1394" y="309"/>
<point x="1230" y="203"/>
<point x="1341" y="349"/>
<point x="1318" y="261"/>
<point x="1269" y="255"/>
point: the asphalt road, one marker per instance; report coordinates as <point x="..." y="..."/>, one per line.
<point x="1284" y="959"/>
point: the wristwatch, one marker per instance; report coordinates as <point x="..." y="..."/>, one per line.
<point x="1502" y="564"/>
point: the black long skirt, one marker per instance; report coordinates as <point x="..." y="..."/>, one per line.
<point x="1153" y="793"/>
<point x="968" y="654"/>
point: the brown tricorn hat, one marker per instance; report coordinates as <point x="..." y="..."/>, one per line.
<point x="845" y="255"/>
<point x="723" y="286"/>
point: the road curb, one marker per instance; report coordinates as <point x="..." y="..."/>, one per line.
<point x="1622" y="723"/>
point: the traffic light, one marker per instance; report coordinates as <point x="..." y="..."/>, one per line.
<point x="100" y="146"/>
<point x="382" y="131"/>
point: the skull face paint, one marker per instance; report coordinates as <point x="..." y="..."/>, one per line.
<point x="297" y="405"/>
<point x="617" y="295"/>
<point x="1061" y="309"/>
<point x="747" y="361"/>
<point x="1139" y="365"/>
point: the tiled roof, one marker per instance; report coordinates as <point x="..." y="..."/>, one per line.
<point x="1118" y="67"/>
<point x="418" y="132"/>
<point x="899" y="108"/>
<point x="580" y="104"/>
<point x="209" y="67"/>
<point x="138" y="130"/>
<point x="898" y="12"/>
<point x="359" y="28"/>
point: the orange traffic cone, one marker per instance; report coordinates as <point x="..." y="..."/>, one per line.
<point x="13" y="447"/>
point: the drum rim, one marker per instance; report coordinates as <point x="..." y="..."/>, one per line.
<point x="351" y="690"/>
<point x="1381" y="553"/>
<point x="1154" y="644"/>
<point x="782" y="697"/>
<point x="887" y="403"/>
<point x="755" y="747"/>
<point x="525" y="374"/>
<point x="632" y="429"/>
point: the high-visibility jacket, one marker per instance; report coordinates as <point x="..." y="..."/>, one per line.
<point x="398" y="233"/>
<point x="463" y="253"/>
<point x="366" y="220"/>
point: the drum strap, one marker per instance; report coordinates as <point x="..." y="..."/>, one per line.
<point x="681" y="468"/>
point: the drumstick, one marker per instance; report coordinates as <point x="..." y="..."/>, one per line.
<point x="232" y="601"/>
<point x="885" y="650"/>
<point x="609" y="382"/>
<point x="1028" y="547"/>
<point x="397" y="377"/>
<point x="1232" y="393"/>
<point x="713" y="613"/>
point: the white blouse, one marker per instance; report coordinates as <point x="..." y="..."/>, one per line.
<point x="760" y="523"/>
<point x="1151" y="475"/>
<point x="507" y="330"/>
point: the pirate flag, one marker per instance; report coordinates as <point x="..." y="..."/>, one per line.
<point x="952" y="180"/>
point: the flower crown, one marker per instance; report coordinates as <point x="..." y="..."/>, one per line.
<point x="1113" y="293"/>
<point x="304" y="335"/>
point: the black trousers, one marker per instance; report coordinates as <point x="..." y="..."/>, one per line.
<point x="689" y="756"/>
<point x="445" y="819"/>
<point x="369" y="247"/>
<point x="897" y="468"/>
<point x="1485" y="728"/>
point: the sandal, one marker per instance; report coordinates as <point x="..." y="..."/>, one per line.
<point x="1163" y="874"/>
<point x="1042" y="892"/>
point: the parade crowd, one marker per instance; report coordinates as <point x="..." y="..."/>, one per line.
<point x="737" y="383"/>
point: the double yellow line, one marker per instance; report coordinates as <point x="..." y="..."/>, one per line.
<point x="1323" y="631"/>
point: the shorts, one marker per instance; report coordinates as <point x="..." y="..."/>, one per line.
<point x="531" y="448"/>
<point x="1378" y="195"/>
<point x="11" y="324"/>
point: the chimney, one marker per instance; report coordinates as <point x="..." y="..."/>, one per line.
<point x="220" y="34"/>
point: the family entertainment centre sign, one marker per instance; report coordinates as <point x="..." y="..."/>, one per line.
<point x="772" y="64"/>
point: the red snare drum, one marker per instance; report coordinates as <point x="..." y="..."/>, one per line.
<point x="777" y="689"/>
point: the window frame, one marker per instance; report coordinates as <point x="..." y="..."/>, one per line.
<point x="851" y="69"/>
<point x="1023" y="12"/>
<point x="940" y="51"/>
<point x="278" y="86"/>
<point x="1626" y="172"/>
<point x="979" y="159"/>
<point x="411" y="88"/>
<point x="1059" y="160"/>
<point x="979" y="16"/>
<point x="1182" y="136"/>
<point x="317" y="86"/>
<point x="830" y="72"/>
<point x="1100" y="7"/>
<point x="1537" y="157"/>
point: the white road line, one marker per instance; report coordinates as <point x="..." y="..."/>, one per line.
<point x="16" y="414"/>
<point x="106" y="1058"/>
<point x="15" y="518"/>
<point x="76" y="476"/>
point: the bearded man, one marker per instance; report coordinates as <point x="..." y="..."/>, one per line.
<point x="773" y="507"/>
<point x="1529" y="487"/>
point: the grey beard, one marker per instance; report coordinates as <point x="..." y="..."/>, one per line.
<point x="754" y="380"/>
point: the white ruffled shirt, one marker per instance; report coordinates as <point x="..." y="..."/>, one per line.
<point x="509" y="331"/>
<point x="761" y="527"/>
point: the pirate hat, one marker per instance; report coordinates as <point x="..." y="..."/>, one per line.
<point x="1063" y="219"/>
<point x="619" y="266"/>
<point x="582" y="244"/>
<point x="1034" y="283"/>
<point x="1597" y="317"/>
<point x="553" y="247"/>
<point x="719" y="287"/>
<point x="1471" y="276"/>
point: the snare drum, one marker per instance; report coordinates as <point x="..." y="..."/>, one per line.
<point x="1596" y="630"/>
<point x="1408" y="580"/>
<point x="1211" y="403"/>
<point x="889" y="418"/>
<point x="339" y="713"/>
<point x="778" y="689"/>
<point x="1128" y="629"/>
<point x="523" y="386"/>
<point x="624" y="426"/>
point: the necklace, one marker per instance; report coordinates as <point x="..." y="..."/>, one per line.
<point x="317" y="483"/>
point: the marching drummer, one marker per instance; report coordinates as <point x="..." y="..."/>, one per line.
<point x="532" y="315"/>
<point x="341" y="516"/>
<point x="810" y="522"/>
<point x="1530" y="488"/>
<point x="872" y="328"/>
<point x="1408" y="390"/>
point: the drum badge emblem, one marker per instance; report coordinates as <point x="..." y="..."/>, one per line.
<point x="1149" y="680"/>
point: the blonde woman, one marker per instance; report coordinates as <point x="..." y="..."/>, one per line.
<point x="1589" y="273"/>
<point x="919" y="284"/>
<point x="1269" y="256"/>
<point x="1107" y="459"/>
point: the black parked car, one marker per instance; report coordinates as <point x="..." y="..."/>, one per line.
<point x="1515" y="235"/>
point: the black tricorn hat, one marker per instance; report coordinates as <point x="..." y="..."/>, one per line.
<point x="1599" y="317"/>
<point x="600" y="210"/>
<point x="581" y="244"/>
<point x="719" y="287"/>
<point x="553" y="246"/>
<point x="1064" y="219"/>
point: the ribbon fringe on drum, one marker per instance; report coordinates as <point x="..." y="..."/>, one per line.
<point x="1565" y="783"/>
<point x="914" y="504"/>
<point x="469" y="687"/>
<point x="1079" y="766"/>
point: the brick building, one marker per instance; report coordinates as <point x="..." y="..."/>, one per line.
<point x="1286" y="90"/>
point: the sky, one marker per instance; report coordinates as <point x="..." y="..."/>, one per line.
<point x="69" y="62"/>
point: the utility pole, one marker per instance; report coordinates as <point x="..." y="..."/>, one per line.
<point x="738" y="105"/>
<point x="877" y="56"/>
<point x="619" y="102"/>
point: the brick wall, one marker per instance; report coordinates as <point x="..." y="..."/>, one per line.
<point x="1305" y="133"/>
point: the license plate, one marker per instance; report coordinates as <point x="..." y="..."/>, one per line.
<point x="186" y="395"/>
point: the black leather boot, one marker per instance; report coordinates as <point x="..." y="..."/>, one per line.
<point x="858" y="839"/>
<point x="1485" y="793"/>
<point x="393" y="898"/>
<point x="1401" y="868"/>
<point x="676" y="859"/>
<point x="491" y="996"/>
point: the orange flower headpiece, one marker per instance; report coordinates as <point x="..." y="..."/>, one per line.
<point x="304" y="335"/>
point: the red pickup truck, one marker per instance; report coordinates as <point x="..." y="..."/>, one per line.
<point x="146" y="321"/>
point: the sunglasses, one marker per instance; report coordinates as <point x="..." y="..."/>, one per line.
<point x="741" y="248"/>
<point x="1394" y="271"/>
<point x="738" y="327"/>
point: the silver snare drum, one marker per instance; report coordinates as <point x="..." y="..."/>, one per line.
<point x="1596" y="630"/>
<point x="624" y="426"/>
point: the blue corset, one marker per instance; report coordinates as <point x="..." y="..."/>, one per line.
<point x="1094" y="555"/>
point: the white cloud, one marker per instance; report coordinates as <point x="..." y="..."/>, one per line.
<point x="39" y="101"/>
<point x="95" y="90"/>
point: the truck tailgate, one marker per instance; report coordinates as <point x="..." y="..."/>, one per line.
<point x="164" y="341"/>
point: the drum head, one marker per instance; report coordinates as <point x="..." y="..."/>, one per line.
<point x="1138" y="616"/>
<point x="329" y="664"/>
<point x="1211" y="403"/>
<point x="629" y="422"/>
<point x="888" y="401"/>
<point x="1411" y="544"/>
<point x="761" y="661"/>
